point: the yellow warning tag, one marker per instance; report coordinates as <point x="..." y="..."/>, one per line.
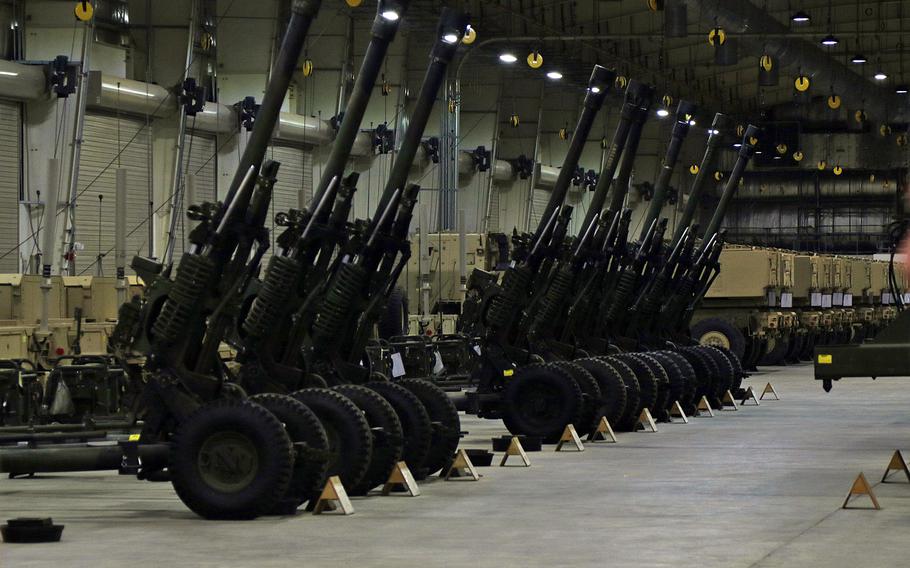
<point x="825" y="359"/>
<point x="134" y="437"/>
<point x="508" y="372"/>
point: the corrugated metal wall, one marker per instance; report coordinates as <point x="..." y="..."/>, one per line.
<point x="10" y="160"/>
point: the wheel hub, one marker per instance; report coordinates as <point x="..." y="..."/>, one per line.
<point x="715" y="339"/>
<point x="228" y="461"/>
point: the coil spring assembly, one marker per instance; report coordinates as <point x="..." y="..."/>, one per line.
<point x="624" y="289"/>
<point x="337" y="304"/>
<point x="193" y="274"/>
<point x="558" y="290"/>
<point x="514" y="288"/>
<point x="280" y="277"/>
<point x="651" y="301"/>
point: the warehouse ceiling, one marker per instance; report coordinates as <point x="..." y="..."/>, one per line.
<point x="627" y="34"/>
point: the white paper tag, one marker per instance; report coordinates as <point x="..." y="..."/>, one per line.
<point x="397" y="365"/>
<point x="906" y="298"/>
<point x="848" y="300"/>
<point x="477" y="349"/>
<point x="772" y="298"/>
<point x="816" y="299"/>
<point x="786" y="300"/>
<point x="438" y="366"/>
<point x="826" y="300"/>
<point x="838" y="299"/>
<point x="886" y="298"/>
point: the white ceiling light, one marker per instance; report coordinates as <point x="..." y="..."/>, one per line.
<point x="391" y="15"/>
<point x="555" y="75"/>
<point x="881" y="76"/>
<point x="508" y="58"/>
<point x="663" y="113"/>
<point x="450" y="38"/>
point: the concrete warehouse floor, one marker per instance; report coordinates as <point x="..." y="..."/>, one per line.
<point x="758" y="487"/>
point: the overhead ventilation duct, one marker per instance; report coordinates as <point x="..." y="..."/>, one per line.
<point x="30" y="83"/>
<point x="22" y="82"/>
<point x="760" y="32"/>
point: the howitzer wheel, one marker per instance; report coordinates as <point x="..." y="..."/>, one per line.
<point x="661" y="408"/>
<point x="350" y="439"/>
<point x="719" y="332"/>
<point x="648" y="388"/>
<point x="738" y="373"/>
<point x="612" y="388"/>
<point x="231" y="459"/>
<point x="388" y="438"/>
<point x="311" y="462"/>
<point x="776" y="351"/>
<point x="706" y="374"/>
<point x="394" y="320"/>
<point x="590" y="392"/>
<point x="541" y="400"/>
<point x="415" y="424"/>
<point x="446" y="424"/>
<point x="633" y="391"/>
<point x="682" y="378"/>
<point x="726" y="372"/>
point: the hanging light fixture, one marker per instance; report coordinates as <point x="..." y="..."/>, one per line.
<point x="507" y="58"/>
<point x="858" y="59"/>
<point x="880" y="75"/>
<point x="902" y="89"/>
<point x="830" y="40"/>
<point x="555" y="75"/>
<point x="801" y="17"/>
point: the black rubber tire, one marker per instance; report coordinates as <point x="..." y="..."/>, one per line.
<point x="541" y="400"/>
<point x="445" y="420"/>
<point x="662" y="404"/>
<point x="632" y="410"/>
<point x="734" y="337"/>
<point x="708" y="373"/>
<point x="808" y="350"/>
<point x="246" y="422"/>
<point x="311" y="462"/>
<point x="415" y="424"/>
<point x="726" y="372"/>
<point x="776" y="354"/>
<point x="590" y="392"/>
<point x="738" y="373"/>
<point x="647" y="383"/>
<point x="795" y="346"/>
<point x="388" y="439"/>
<point x="394" y="319"/>
<point x="612" y="388"/>
<point x="683" y="383"/>
<point x="350" y="439"/>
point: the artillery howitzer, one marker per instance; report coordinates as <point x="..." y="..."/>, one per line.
<point x="597" y="294"/>
<point x="227" y="456"/>
<point x="313" y="316"/>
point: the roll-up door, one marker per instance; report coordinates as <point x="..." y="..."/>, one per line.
<point x="493" y="222"/>
<point x="539" y="200"/>
<point x="294" y="187"/>
<point x="104" y="137"/>
<point x="10" y="160"/>
<point x="200" y="161"/>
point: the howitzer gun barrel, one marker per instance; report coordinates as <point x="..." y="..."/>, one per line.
<point x="303" y="12"/>
<point x="452" y="26"/>
<point x="684" y="113"/>
<point x="746" y="151"/>
<point x="600" y="81"/>
<point x="620" y="185"/>
<point x="635" y="108"/>
<point x="385" y="26"/>
<point x="708" y="163"/>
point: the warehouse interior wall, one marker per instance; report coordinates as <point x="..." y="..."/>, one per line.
<point x="154" y="51"/>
